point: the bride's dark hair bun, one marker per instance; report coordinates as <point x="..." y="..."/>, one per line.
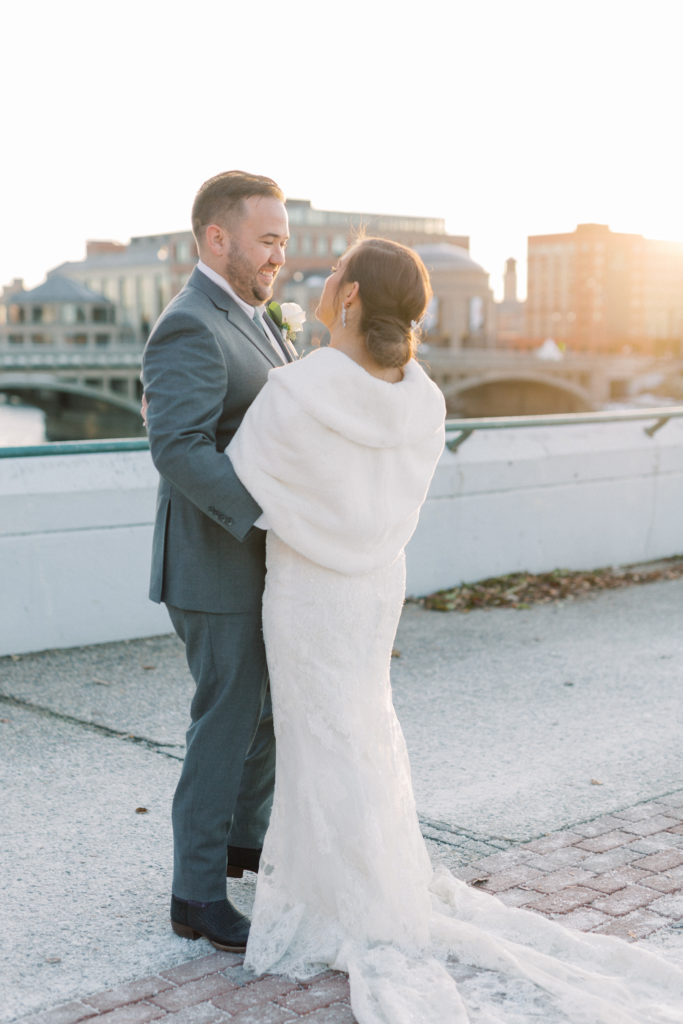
<point x="394" y="289"/>
<point x="388" y="339"/>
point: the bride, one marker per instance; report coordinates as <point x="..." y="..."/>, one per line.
<point x="338" y="449"/>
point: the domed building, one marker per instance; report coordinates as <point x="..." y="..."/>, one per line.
<point x="461" y="314"/>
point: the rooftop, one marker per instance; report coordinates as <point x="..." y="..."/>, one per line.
<point x="534" y="756"/>
<point x="444" y="255"/>
<point x="58" y="289"/>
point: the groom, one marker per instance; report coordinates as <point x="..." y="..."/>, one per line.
<point x="205" y="361"/>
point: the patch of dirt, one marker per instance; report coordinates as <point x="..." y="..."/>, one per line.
<point x="522" y="589"/>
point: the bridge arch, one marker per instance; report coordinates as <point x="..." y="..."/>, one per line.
<point x="44" y="393"/>
<point x="515" y="394"/>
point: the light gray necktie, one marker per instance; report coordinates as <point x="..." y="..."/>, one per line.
<point x="273" y="342"/>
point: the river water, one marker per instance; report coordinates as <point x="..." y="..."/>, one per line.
<point x="21" y="425"/>
<point x="25" y="425"/>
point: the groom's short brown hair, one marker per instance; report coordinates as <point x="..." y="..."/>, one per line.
<point x="222" y="196"/>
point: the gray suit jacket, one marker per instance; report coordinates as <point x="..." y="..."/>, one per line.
<point x="203" y="365"/>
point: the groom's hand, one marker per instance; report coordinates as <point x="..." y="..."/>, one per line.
<point x="144" y="406"/>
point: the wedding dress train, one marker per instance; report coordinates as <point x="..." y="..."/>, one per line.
<point x="345" y="879"/>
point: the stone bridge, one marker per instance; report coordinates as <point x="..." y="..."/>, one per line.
<point x="83" y="395"/>
<point x="106" y="380"/>
<point x="494" y="382"/>
<point x="476" y="382"/>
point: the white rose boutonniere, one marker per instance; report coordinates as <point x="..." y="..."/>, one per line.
<point x="289" y="317"/>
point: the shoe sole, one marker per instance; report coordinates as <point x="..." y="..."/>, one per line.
<point x="185" y="932"/>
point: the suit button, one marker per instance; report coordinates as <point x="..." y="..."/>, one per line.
<point x="228" y="520"/>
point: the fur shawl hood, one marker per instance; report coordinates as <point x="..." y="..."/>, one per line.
<point x="340" y="461"/>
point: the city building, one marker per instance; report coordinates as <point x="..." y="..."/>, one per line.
<point x="139" y="278"/>
<point x="510" y="313"/>
<point x="319" y="237"/>
<point x="60" y="315"/>
<point x="595" y="290"/>
<point x="142" y="276"/>
<point x="64" y="337"/>
<point x="461" y="313"/>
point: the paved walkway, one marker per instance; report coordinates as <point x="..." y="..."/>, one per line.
<point x="581" y="820"/>
<point x="620" y="874"/>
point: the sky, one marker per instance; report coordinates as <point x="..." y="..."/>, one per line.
<point x="504" y="118"/>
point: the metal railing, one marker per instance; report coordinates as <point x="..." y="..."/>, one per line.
<point x="85" y="359"/>
<point x="126" y="444"/>
<point x="463" y="429"/>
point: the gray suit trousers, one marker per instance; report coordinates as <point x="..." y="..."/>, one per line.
<point x="226" y="784"/>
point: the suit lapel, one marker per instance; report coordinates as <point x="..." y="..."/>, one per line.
<point x="288" y="350"/>
<point x="235" y="315"/>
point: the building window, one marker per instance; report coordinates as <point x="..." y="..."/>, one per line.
<point x="102" y="339"/>
<point x="41" y="339"/>
<point x="158" y="294"/>
<point x="339" y="244"/>
<point x="322" y="245"/>
<point x="76" y="339"/>
<point x="119" y="385"/>
<point x="36" y="314"/>
<point x="476" y="314"/>
<point x="183" y="253"/>
<point x="122" y="292"/>
<point x="16" y="339"/>
<point x="430" y="320"/>
<point x="147" y="286"/>
<point x="72" y="314"/>
<point x="100" y="314"/>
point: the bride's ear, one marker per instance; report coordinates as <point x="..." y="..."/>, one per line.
<point x="351" y="291"/>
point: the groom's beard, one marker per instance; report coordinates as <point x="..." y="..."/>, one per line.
<point x="244" y="277"/>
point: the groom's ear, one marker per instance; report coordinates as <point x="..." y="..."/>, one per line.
<point x="216" y="239"/>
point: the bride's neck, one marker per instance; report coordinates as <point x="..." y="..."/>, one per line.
<point x="353" y="346"/>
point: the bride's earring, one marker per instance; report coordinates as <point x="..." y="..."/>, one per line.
<point x="343" y="316"/>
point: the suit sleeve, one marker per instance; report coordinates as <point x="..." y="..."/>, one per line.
<point x="186" y="378"/>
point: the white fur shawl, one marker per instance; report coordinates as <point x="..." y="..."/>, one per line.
<point x="339" y="460"/>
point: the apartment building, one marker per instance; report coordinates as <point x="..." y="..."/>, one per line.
<point x="600" y="291"/>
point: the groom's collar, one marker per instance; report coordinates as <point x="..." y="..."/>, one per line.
<point x="222" y="283"/>
<point x="236" y="310"/>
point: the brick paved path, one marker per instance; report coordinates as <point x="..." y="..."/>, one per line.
<point x="620" y="874"/>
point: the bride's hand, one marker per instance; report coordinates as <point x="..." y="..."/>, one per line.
<point x="144" y="406"/>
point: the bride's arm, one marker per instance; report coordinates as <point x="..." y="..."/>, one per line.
<point x="270" y="453"/>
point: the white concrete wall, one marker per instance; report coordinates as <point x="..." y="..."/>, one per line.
<point x="75" y="541"/>
<point x="543" y="498"/>
<point x="75" y="530"/>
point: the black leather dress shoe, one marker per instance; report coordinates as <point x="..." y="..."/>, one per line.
<point x="219" y="922"/>
<point x="241" y="859"/>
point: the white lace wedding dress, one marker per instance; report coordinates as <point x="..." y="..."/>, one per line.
<point x="340" y="463"/>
